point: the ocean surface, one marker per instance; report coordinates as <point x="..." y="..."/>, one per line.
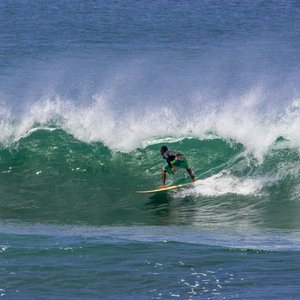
<point x="90" y="91"/>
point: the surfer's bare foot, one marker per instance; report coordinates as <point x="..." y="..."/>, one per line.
<point x="162" y="187"/>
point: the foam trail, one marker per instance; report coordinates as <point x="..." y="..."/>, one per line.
<point x="223" y="183"/>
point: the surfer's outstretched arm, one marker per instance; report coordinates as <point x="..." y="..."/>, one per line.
<point x="191" y="174"/>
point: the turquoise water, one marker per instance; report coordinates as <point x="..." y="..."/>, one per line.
<point x="90" y="91"/>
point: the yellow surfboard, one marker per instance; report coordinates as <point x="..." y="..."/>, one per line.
<point x="168" y="188"/>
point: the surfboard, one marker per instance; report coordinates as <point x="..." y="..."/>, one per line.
<point x="168" y="188"/>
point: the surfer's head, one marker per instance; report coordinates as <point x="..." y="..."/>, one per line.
<point x="163" y="149"/>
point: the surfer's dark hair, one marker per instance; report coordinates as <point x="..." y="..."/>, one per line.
<point x="164" y="148"/>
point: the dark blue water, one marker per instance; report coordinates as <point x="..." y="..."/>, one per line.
<point x="90" y="90"/>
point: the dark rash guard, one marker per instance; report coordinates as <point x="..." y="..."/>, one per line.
<point x="170" y="155"/>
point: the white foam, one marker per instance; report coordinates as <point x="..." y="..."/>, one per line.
<point x="224" y="183"/>
<point x="125" y="129"/>
<point x="257" y="131"/>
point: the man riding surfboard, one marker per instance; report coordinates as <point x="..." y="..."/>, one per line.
<point x="174" y="159"/>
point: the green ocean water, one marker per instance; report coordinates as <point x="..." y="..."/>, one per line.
<point x="73" y="225"/>
<point x="50" y="176"/>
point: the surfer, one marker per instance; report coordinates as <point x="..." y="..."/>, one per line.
<point x="176" y="159"/>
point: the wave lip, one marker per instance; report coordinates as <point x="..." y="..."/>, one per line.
<point x="125" y="130"/>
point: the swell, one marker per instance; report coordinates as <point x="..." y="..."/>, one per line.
<point x="50" y="176"/>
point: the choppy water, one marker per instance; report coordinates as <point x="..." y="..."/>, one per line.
<point x="89" y="91"/>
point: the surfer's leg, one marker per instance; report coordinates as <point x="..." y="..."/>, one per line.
<point x="163" y="177"/>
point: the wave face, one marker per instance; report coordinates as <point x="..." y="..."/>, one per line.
<point x="51" y="176"/>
